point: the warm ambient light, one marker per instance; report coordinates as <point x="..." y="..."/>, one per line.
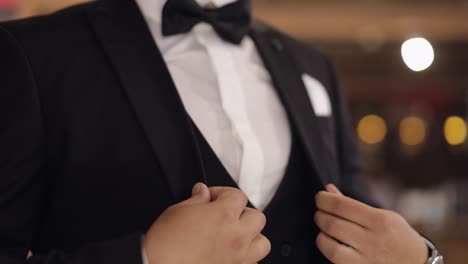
<point x="372" y="129"/>
<point x="413" y="131"/>
<point x="417" y="54"/>
<point x="455" y="130"/>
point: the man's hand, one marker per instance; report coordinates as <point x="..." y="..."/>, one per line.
<point x="355" y="233"/>
<point x="213" y="226"/>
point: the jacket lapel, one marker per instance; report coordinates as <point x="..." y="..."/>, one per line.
<point x="287" y="79"/>
<point x="123" y="33"/>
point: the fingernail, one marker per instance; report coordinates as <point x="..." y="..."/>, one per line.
<point x="197" y="188"/>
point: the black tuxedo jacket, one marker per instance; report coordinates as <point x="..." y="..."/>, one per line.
<point x="95" y="142"/>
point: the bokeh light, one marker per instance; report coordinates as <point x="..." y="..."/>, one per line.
<point x="372" y="129"/>
<point x="413" y="131"/>
<point x="455" y="130"/>
<point x="417" y="54"/>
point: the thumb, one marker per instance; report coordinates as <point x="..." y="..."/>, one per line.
<point x="200" y="194"/>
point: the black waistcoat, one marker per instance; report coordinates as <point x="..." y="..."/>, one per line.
<point x="290" y="224"/>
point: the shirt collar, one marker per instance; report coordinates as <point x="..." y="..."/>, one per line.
<point x="152" y="9"/>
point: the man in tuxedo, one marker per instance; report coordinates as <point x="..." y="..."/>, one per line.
<point x="112" y="111"/>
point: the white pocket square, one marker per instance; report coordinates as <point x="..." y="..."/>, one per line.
<point x="318" y="96"/>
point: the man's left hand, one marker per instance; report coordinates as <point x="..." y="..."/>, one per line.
<point x="355" y="233"/>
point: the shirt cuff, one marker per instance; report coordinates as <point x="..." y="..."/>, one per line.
<point x="144" y="257"/>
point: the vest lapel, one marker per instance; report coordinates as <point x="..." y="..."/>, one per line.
<point x="123" y="33"/>
<point x="290" y="87"/>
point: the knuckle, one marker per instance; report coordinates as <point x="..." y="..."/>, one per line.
<point x="261" y="218"/>
<point x="265" y="247"/>
<point x="238" y="243"/>
<point x="396" y="217"/>
<point x="268" y="245"/>
<point x="388" y="219"/>
<point x="232" y="190"/>
<point x="381" y="218"/>
<point x="239" y="197"/>
<point x="226" y="214"/>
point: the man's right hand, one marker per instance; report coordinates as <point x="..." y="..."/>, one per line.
<point x="214" y="226"/>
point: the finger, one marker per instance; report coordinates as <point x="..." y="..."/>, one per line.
<point x="200" y="194"/>
<point x="346" y="208"/>
<point x="259" y="249"/>
<point x="218" y="191"/>
<point x="229" y="197"/>
<point x="342" y="230"/>
<point x="253" y="221"/>
<point x="333" y="189"/>
<point x="336" y="252"/>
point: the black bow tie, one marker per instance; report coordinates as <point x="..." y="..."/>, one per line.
<point x="231" y="22"/>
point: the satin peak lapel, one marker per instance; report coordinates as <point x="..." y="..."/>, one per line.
<point x="287" y="79"/>
<point x="123" y="33"/>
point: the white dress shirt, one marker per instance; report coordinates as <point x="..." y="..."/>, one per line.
<point x="229" y="94"/>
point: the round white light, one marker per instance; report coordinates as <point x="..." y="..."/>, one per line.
<point x="417" y="53"/>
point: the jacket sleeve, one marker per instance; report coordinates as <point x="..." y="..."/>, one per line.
<point x="352" y="183"/>
<point x="22" y="150"/>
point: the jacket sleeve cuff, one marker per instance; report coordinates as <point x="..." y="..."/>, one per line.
<point x="125" y="250"/>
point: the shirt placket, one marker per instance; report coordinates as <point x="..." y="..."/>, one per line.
<point x="234" y="105"/>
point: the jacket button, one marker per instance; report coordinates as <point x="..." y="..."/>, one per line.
<point x="286" y="250"/>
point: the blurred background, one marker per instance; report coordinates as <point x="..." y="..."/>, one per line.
<point x="404" y="68"/>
